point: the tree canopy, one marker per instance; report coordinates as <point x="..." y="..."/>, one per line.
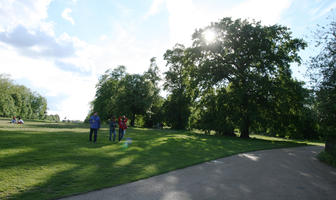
<point x="119" y="93"/>
<point x="239" y="80"/>
<point x="244" y="57"/>
<point x="18" y="100"/>
<point x="323" y="69"/>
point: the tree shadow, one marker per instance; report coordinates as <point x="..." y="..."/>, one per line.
<point x="80" y="166"/>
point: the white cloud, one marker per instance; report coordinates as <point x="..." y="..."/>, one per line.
<point x="268" y="12"/>
<point x="64" y="66"/>
<point x="155" y="8"/>
<point x="38" y="43"/>
<point x="66" y="15"/>
<point x="121" y="48"/>
<point x="30" y="51"/>
<point x="182" y="20"/>
<point x="71" y="77"/>
<point x="44" y="75"/>
<point x="186" y="15"/>
<point x="29" y="12"/>
<point x="103" y="37"/>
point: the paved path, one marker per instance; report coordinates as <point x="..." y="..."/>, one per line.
<point x="292" y="173"/>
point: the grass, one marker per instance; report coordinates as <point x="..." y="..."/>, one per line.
<point x="327" y="158"/>
<point x="315" y="143"/>
<point x="40" y="160"/>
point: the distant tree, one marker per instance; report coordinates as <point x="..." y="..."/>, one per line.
<point x="153" y="74"/>
<point x="7" y="105"/>
<point x="178" y="82"/>
<point x="54" y="118"/>
<point x="154" y="114"/>
<point x="136" y="96"/>
<point x="247" y="56"/>
<point x="119" y="93"/>
<point x="107" y="91"/>
<point x="39" y="106"/>
<point x="18" y="100"/>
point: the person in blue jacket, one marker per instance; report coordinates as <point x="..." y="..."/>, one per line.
<point x="94" y="126"/>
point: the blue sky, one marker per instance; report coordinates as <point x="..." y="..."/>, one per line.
<point x="59" y="48"/>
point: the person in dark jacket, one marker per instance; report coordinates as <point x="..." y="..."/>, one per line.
<point x="94" y="126"/>
<point x="113" y="125"/>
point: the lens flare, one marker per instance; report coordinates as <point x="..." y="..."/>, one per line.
<point x="209" y="36"/>
<point x="127" y="142"/>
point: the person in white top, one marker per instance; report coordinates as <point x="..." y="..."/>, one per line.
<point x="20" y="121"/>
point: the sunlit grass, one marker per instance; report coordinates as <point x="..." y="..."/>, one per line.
<point x="49" y="160"/>
<point x="262" y="137"/>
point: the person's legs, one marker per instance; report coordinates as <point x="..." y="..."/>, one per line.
<point x="90" y="136"/>
<point x="95" y="135"/>
<point x="110" y="138"/>
<point x="114" y="135"/>
<point x="120" y="132"/>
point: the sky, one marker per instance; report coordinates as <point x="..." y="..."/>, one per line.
<point x="60" y="48"/>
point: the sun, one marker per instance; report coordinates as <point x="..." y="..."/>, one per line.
<point x="209" y="35"/>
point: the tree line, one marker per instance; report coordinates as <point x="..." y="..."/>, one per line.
<point x="18" y="100"/>
<point x="239" y="81"/>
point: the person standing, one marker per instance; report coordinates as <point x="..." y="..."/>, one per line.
<point x="94" y="126"/>
<point x="124" y="121"/>
<point x="113" y="125"/>
<point x="13" y="120"/>
<point x="122" y="126"/>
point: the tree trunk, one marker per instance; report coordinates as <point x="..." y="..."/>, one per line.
<point x="330" y="145"/>
<point x="244" y="128"/>
<point x="132" y="119"/>
<point x="245" y="124"/>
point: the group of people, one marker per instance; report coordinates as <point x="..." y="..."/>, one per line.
<point x="95" y="125"/>
<point x="19" y="121"/>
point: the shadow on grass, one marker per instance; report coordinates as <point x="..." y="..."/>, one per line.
<point x="79" y="166"/>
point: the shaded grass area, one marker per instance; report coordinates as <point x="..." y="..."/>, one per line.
<point x="327" y="158"/>
<point x="48" y="160"/>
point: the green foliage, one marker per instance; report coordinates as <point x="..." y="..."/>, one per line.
<point x="108" y="89"/>
<point x="154" y="115"/>
<point x="53" y="118"/>
<point x="323" y="71"/>
<point x="177" y="111"/>
<point x="139" y="121"/>
<point x="17" y="100"/>
<point x="178" y="82"/>
<point x="215" y="113"/>
<point x="136" y="95"/>
<point x="246" y="57"/>
<point x="119" y="93"/>
<point x="291" y="107"/>
<point x="327" y="158"/>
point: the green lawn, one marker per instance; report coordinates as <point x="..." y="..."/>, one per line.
<point x="42" y="160"/>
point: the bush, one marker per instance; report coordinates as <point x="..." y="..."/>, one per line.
<point x="331" y="145"/>
<point x="327" y="158"/>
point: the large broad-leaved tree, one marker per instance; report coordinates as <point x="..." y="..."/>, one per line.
<point x="244" y="56"/>
<point x="323" y="67"/>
